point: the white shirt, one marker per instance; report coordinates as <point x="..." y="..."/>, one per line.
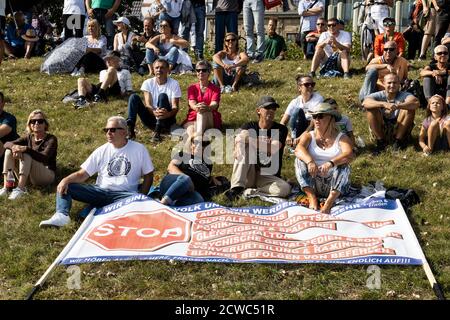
<point x="306" y="106"/>
<point x="173" y="8"/>
<point x="321" y="156"/>
<point x="124" y="78"/>
<point x="343" y="38"/>
<point x="98" y="44"/>
<point x="309" y="22"/>
<point x="344" y="125"/>
<point x="171" y="88"/>
<point x="119" y="169"/>
<point x="73" y="7"/>
<point x="2" y="7"/>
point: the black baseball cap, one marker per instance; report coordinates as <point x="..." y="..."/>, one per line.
<point x="266" y="101"/>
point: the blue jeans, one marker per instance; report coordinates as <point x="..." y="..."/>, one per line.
<point x="137" y="108"/>
<point x="228" y="20"/>
<point x="171" y="55"/>
<point x="200" y="14"/>
<point x="298" y="122"/>
<point x="90" y="194"/>
<point x="179" y="190"/>
<point x="310" y="49"/>
<point x="430" y="87"/>
<point x="175" y="22"/>
<point x="253" y="13"/>
<point x="369" y="85"/>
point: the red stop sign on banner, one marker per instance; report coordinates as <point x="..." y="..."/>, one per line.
<point x="143" y="231"/>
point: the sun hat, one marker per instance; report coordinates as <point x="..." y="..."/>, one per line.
<point x="124" y="20"/>
<point x="30" y="35"/>
<point x="325" y="108"/>
<point x="266" y="101"/>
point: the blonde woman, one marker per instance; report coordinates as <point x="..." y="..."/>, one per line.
<point x="36" y="154"/>
<point x="92" y="61"/>
<point x="229" y="64"/>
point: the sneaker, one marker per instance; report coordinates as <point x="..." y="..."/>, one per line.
<point x="156" y="137"/>
<point x="3" y="192"/>
<point x="422" y="57"/>
<point x="398" y="145"/>
<point x="17" y="193"/>
<point x="380" y="146"/>
<point x="57" y="220"/>
<point x="75" y="72"/>
<point x="81" y="103"/>
<point x="234" y="193"/>
<point x="258" y="59"/>
<point x="228" y="89"/>
<point x="98" y="98"/>
<point x="347" y="75"/>
<point x="312" y="74"/>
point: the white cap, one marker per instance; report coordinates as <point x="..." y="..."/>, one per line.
<point x="124" y="20"/>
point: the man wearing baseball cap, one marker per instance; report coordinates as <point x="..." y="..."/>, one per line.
<point x="258" y="152"/>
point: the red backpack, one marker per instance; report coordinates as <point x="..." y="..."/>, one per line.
<point x="269" y="4"/>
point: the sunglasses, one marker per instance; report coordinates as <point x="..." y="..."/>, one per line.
<point x="388" y="24"/>
<point x="308" y="84"/>
<point x="318" y="116"/>
<point x="332" y="24"/>
<point x="229" y="40"/>
<point x="271" y="107"/>
<point x="389" y="49"/>
<point x="442" y="53"/>
<point x="202" y="70"/>
<point x="39" y="121"/>
<point x="113" y="130"/>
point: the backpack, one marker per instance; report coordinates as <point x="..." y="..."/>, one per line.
<point x="414" y="87"/>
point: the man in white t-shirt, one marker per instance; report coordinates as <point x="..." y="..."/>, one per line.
<point x="330" y="42"/>
<point x="119" y="164"/>
<point x="161" y="98"/>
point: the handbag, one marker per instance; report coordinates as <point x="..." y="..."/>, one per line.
<point x="269" y="4"/>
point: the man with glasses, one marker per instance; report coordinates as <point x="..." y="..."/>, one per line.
<point x="435" y="76"/>
<point x="309" y="11"/>
<point x="274" y="46"/>
<point x="119" y="164"/>
<point x="390" y="114"/>
<point x="161" y="99"/>
<point x="312" y="37"/>
<point x="258" y="153"/>
<point x="389" y="35"/>
<point x="380" y="66"/>
<point x="334" y="44"/>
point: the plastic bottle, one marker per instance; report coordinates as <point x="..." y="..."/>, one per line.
<point x="10" y="180"/>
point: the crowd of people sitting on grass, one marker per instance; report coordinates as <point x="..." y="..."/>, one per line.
<point x="312" y="127"/>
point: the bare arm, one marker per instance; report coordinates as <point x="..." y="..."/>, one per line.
<point x="76" y="177"/>
<point x="148" y="101"/>
<point x="411" y="103"/>
<point x="172" y="168"/>
<point x="4" y="130"/>
<point x="179" y="42"/>
<point x="370" y="103"/>
<point x="423" y="140"/>
<point x="147" y="183"/>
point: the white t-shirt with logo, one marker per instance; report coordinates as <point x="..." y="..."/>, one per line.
<point x="306" y="106"/>
<point x="74" y="7"/>
<point x="343" y="38"/>
<point x="119" y="169"/>
<point x="171" y="88"/>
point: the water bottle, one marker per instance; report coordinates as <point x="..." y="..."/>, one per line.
<point x="10" y="180"/>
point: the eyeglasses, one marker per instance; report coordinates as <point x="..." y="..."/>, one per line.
<point x="113" y="130"/>
<point x="442" y="53"/>
<point x="308" y="84"/>
<point x="332" y="24"/>
<point x="202" y="70"/>
<point x="318" y="116"/>
<point x="229" y="40"/>
<point x="39" y="121"/>
<point x="389" y="49"/>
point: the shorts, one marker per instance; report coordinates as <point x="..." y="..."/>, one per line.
<point x="430" y="26"/>
<point x="389" y="128"/>
<point x="441" y="144"/>
<point x="112" y="91"/>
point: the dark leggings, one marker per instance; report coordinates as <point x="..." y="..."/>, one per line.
<point x="92" y="63"/>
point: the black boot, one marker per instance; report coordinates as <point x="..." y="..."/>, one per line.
<point x="131" y="133"/>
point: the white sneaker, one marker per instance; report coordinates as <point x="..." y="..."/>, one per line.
<point x="17" y="193"/>
<point x="57" y="220"/>
<point x="74" y="72"/>
<point x="228" y="89"/>
<point x="3" y="192"/>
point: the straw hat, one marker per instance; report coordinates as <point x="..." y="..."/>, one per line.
<point x="30" y="35"/>
<point x="325" y="108"/>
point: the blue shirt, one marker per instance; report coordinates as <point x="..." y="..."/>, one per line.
<point x="11" y="36"/>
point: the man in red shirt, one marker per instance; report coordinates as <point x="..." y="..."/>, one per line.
<point x="389" y="35"/>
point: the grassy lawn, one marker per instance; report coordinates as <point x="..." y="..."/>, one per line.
<point x="26" y="251"/>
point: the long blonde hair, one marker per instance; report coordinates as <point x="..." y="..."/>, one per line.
<point x="97" y="32"/>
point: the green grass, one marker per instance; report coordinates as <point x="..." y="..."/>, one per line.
<point x="26" y="251"/>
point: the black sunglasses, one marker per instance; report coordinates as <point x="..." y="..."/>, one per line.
<point x="388" y="24"/>
<point x="271" y="107"/>
<point x="389" y="49"/>
<point x="34" y="121"/>
<point x="113" y="130"/>
<point x="228" y="40"/>
<point x="318" y="116"/>
<point x="202" y="70"/>
<point x="332" y="24"/>
<point x="308" y="84"/>
<point x="442" y="53"/>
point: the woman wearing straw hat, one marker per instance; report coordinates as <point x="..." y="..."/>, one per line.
<point x="322" y="160"/>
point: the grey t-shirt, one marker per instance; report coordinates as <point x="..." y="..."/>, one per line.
<point x="399" y="98"/>
<point x="227" y="5"/>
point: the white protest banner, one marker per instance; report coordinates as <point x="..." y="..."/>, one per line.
<point x="375" y="231"/>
